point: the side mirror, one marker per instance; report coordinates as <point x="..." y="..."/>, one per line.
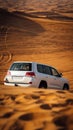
<point x="61" y="74"/>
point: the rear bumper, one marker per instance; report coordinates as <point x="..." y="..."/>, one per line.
<point x="18" y="84"/>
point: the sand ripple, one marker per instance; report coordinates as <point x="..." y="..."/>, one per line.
<point x="30" y="108"/>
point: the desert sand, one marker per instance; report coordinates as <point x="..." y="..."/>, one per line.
<point x="42" y="35"/>
<point x="25" y="38"/>
<point x="35" y="109"/>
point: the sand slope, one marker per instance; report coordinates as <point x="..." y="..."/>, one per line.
<point x="35" y="109"/>
<point x="36" y="39"/>
<point x="42" y="34"/>
<point x="46" y="37"/>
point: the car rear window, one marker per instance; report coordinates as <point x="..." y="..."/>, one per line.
<point x="21" y="67"/>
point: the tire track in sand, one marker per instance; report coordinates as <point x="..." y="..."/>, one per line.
<point x="5" y="57"/>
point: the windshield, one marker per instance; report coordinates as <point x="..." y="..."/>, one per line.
<point x="21" y="67"/>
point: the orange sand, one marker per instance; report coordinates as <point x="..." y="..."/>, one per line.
<point x="41" y="40"/>
<point x="35" y="109"/>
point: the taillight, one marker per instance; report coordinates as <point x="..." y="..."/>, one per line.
<point x="8" y="73"/>
<point x="30" y="74"/>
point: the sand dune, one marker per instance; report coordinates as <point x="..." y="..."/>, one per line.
<point x="33" y="5"/>
<point x="42" y="34"/>
<point x="25" y="38"/>
<point x="35" y="109"/>
<point x="24" y="24"/>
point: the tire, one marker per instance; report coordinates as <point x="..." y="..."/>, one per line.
<point x="43" y="84"/>
<point x="66" y="87"/>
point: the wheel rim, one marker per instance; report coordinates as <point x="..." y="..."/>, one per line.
<point x="65" y="87"/>
<point x="43" y="85"/>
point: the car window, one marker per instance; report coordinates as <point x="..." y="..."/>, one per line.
<point x="54" y="72"/>
<point x="21" y="67"/>
<point x="46" y="70"/>
<point x="40" y="68"/>
<point x="43" y="69"/>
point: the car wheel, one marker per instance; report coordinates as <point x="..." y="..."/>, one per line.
<point x="66" y="87"/>
<point x="43" y="84"/>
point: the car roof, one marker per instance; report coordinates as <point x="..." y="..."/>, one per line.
<point x="24" y="62"/>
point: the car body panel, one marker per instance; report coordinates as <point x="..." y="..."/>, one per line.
<point x="19" y="77"/>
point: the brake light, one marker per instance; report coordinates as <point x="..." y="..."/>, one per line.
<point x="30" y="74"/>
<point x="8" y="73"/>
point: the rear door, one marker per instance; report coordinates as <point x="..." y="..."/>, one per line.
<point x="18" y="71"/>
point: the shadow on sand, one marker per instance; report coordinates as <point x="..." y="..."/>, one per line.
<point x="24" y="24"/>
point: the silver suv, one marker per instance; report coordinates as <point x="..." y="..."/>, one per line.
<point x="34" y="74"/>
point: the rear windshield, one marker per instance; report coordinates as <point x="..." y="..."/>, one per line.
<point x="21" y="67"/>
